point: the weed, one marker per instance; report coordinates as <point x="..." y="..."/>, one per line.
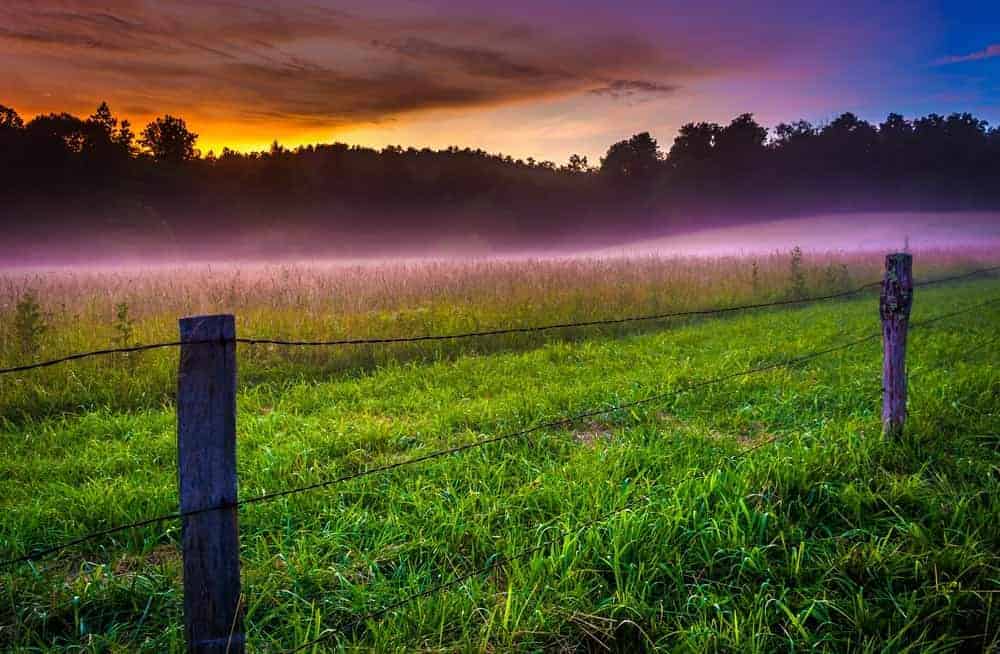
<point x="29" y="324"/>
<point x="796" y="275"/>
<point x="836" y="277"/>
<point x="124" y="327"/>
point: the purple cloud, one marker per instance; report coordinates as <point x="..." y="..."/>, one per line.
<point x="988" y="52"/>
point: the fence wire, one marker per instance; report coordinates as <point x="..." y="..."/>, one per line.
<point x="560" y="422"/>
<point x="607" y="321"/>
<point x="41" y="553"/>
<point x="484" y="333"/>
<point x="500" y="561"/>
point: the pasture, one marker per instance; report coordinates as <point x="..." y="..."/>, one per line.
<point x="761" y="513"/>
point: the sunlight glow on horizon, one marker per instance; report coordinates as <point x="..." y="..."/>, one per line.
<point x="522" y="80"/>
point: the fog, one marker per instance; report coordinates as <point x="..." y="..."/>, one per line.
<point x="848" y="232"/>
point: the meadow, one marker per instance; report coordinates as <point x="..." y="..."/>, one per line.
<point x="79" y="309"/>
<point x="764" y="513"/>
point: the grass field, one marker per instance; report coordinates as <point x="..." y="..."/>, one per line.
<point x="86" y="309"/>
<point x="767" y="513"/>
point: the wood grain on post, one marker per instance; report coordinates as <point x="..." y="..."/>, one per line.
<point x="206" y="463"/>
<point x="894" y="307"/>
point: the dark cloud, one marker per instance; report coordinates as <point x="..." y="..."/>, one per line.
<point x="314" y="64"/>
<point x="482" y="62"/>
<point x="631" y="88"/>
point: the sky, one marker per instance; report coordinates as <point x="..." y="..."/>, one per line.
<point x="541" y="78"/>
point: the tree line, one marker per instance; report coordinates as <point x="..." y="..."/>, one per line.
<point x="60" y="170"/>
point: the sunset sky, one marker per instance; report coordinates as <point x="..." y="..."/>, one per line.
<point x="541" y="78"/>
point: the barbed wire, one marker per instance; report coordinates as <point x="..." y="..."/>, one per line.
<point x="483" y="333"/>
<point x="553" y="326"/>
<point x="436" y="337"/>
<point x="607" y="321"/>
<point x="96" y="353"/>
<point x="41" y="553"/>
<point x="952" y="278"/>
<point x="501" y="561"/>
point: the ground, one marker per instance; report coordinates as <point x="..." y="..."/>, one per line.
<point x="763" y="513"/>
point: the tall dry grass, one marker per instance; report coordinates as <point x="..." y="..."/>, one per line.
<point x="82" y="310"/>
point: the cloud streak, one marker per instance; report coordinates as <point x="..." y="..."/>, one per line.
<point x="631" y="88"/>
<point x="988" y="52"/>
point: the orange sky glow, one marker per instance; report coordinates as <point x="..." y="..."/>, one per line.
<point x="526" y="79"/>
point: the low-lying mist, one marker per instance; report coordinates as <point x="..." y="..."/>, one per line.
<point x="848" y="232"/>
<point x="728" y="235"/>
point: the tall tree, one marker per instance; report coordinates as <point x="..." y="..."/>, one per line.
<point x="848" y="144"/>
<point x="9" y="120"/>
<point x="787" y="134"/>
<point x="51" y="133"/>
<point x="168" y="139"/>
<point x="635" y="159"/>
<point x="694" y="143"/>
<point x="740" y="144"/>
<point x="104" y="120"/>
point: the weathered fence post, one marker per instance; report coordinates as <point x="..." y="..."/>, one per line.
<point x="894" y="307"/>
<point x="206" y="464"/>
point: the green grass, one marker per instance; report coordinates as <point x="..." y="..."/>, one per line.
<point x="77" y="310"/>
<point x="829" y="538"/>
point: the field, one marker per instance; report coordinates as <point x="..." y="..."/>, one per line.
<point x="763" y="513"/>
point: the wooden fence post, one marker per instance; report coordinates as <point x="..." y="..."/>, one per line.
<point x="894" y="307"/>
<point x="206" y="466"/>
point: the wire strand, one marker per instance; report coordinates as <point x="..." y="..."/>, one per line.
<point x="565" y="325"/>
<point x="94" y="353"/>
<point x="501" y="561"/>
<point x="607" y="321"/>
<point x="38" y="554"/>
<point x="483" y="333"/>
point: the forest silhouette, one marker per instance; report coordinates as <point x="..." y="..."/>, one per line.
<point x="82" y="180"/>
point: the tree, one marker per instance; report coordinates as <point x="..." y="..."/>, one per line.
<point x="9" y="120"/>
<point x="895" y="127"/>
<point x="168" y="139"/>
<point x="577" y="164"/>
<point x="743" y="134"/>
<point x="125" y="138"/>
<point x="787" y="134"/>
<point x="895" y="142"/>
<point x="739" y="144"/>
<point x="105" y="139"/>
<point x="695" y="142"/>
<point x="848" y="129"/>
<point x="848" y="143"/>
<point x="11" y="132"/>
<point x="52" y="133"/>
<point x="104" y="120"/>
<point x="636" y="159"/>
